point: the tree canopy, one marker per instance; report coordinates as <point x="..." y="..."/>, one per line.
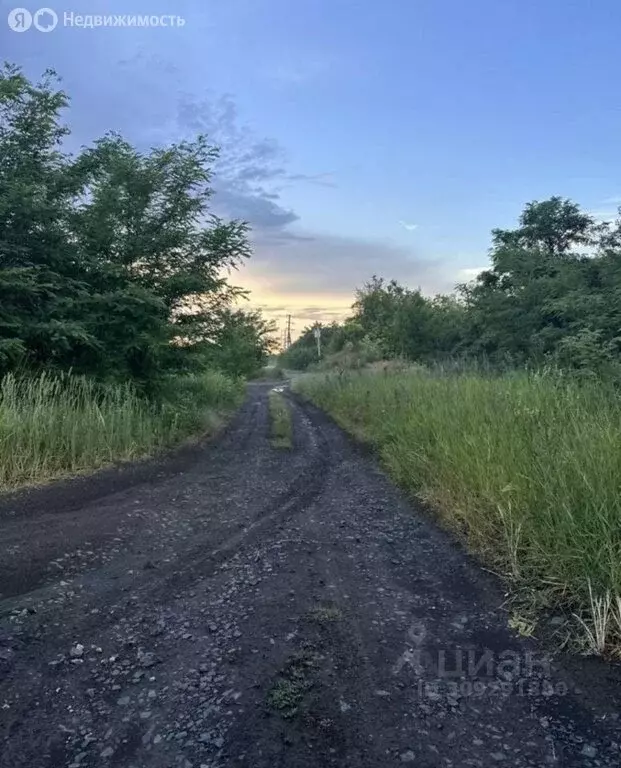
<point x="552" y="294"/>
<point x="112" y="263"/>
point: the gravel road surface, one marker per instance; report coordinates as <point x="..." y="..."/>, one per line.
<point x="235" y="604"/>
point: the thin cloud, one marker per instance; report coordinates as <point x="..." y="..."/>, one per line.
<point x="153" y="102"/>
<point x="320" y="179"/>
<point x="317" y="264"/>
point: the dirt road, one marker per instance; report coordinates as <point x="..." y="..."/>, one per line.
<point x="239" y="605"/>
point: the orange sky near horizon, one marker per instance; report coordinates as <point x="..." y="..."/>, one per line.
<point x="304" y="307"/>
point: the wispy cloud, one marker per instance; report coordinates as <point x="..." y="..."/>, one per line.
<point x="320" y="264"/>
<point x="320" y="179"/>
<point x="309" y="273"/>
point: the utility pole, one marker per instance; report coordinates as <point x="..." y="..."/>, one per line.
<point x="288" y="336"/>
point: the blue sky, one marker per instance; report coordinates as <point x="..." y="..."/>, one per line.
<point x="341" y="120"/>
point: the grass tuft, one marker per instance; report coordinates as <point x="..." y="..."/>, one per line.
<point x="325" y="614"/>
<point x="294" y="682"/>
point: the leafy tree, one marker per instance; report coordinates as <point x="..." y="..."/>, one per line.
<point x="302" y="353"/>
<point x="406" y="323"/>
<point x="534" y="293"/>
<point x="111" y="262"/>
<point x="334" y="338"/>
<point x="242" y="343"/>
<point x="41" y="271"/>
<point x="552" y="294"/>
<point x="553" y="228"/>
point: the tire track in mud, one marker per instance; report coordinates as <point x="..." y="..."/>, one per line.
<point x="249" y="431"/>
<point x="71" y="506"/>
<point x="301" y="491"/>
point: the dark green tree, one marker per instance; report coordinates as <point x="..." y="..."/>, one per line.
<point x="111" y="262"/>
<point x="241" y="344"/>
<point x="535" y="292"/>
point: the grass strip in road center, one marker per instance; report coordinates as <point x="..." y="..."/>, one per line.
<point x="281" y="428"/>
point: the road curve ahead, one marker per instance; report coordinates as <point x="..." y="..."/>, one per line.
<point x="243" y="605"/>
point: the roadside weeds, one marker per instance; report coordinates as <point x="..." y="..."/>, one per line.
<point x="523" y="468"/>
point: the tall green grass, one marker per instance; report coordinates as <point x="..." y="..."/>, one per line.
<point x="56" y="425"/>
<point x="527" y="467"/>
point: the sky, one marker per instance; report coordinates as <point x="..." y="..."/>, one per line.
<point x="358" y="137"/>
